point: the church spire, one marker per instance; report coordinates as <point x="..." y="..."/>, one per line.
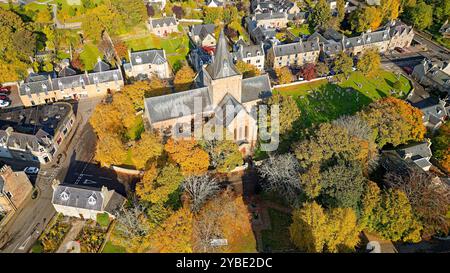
<point x="223" y="65"/>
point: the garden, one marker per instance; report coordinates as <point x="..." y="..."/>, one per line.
<point x="92" y="236"/>
<point x="53" y="236"/>
<point x="276" y="239"/>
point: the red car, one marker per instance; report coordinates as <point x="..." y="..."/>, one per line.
<point x="4" y="97"/>
<point x="5" y="90"/>
<point x="408" y="70"/>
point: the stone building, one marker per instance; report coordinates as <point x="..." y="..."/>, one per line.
<point x="15" y="189"/>
<point x="226" y="101"/>
<point x="163" y="26"/>
<point x="433" y="73"/>
<point x="293" y="54"/>
<point x="35" y="133"/>
<point x="144" y="64"/>
<point x="70" y="85"/>
<point x="85" y="202"/>
<point x="251" y="54"/>
<point x="203" y="35"/>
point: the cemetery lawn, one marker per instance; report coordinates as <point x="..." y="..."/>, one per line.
<point x="321" y="101"/>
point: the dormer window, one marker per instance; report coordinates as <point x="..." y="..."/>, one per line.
<point x="92" y="200"/>
<point x="249" y="55"/>
<point x="138" y="59"/>
<point x="64" y="196"/>
<point x="369" y="38"/>
<point x="358" y="41"/>
<point x="258" y="53"/>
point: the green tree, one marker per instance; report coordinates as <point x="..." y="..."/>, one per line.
<point x="321" y="14"/>
<point x="343" y="64"/>
<point x="247" y="70"/>
<point x="420" y="15"/>
<point x="224" y="154"/>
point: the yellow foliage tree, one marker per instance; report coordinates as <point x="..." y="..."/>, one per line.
<point x="175" y="234"/>
<point x="184" y="78"/>
<point x="284" y="75"/>
<point x="188" y="155"/>
<point x="247" y="70"/>
<point x="110" y="151"/>
<point x="148" y="147"/>
<point x="105" y="120"/>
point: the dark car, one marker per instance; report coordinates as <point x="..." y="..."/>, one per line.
<point x="399" y="49"/>
<point x="408" y="70"/>
<point x="4" y="97"/>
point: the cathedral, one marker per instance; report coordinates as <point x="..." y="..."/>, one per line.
<point x="226" y="100"/>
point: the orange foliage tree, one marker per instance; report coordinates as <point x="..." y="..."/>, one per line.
<point x="188" y="155"/>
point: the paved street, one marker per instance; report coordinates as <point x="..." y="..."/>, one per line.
<point x="26" y="226"/>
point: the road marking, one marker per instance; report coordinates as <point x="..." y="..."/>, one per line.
<point x="24" y="244"/>
<point x="87" y="181"/>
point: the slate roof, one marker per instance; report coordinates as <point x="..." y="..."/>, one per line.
<point x="159" y="22"/>
<point x="222" y="65"/>
<point x="197" y="29"/>
<point x="256" y="88"/>
<point x="295" y="48"/>
<point x="152" y="56"/>
<point x="432" y="107"/>
<point x="270" y="16"/>
<point x="367" y="38"/>
<point x="248" y="51"/>
<point x="101" y="66"/>
<point x="415" y="151"/>
<point x="66" y="71"/>
<point x="160" y="108"/>
<point x="78" y="197"/>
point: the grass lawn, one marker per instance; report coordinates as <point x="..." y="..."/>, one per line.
<point x="89" y="56"/>
<point x="277" y="238"/>
<point x="111" y="248"/>
<point x="175" y="45"/>
<point x="301" y="30"/>
<point x="321" y="101"/>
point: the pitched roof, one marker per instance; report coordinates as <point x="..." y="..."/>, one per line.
<point x="159" y="22"/>
<point x="79" y="197"/>
<point x="197" y="29"/>
<point x="256" y="88"/>
<point x="101" y="66"/>
<point x="245" y="51"/>
<point x="222" y="65"/>
<point x="152" y="56"/>
<point x="295" y="48"/>
<point x="415" y="151"/>
<point x="169" y="106"/>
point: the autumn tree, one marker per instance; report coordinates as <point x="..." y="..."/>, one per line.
<point x="288" y="111"/>
<point x="105" y="120"/>
<point x="130" y="12"/>
<point x="191" y="158"/>
<point x="99" y="19"/>
<point x="224" y="154"/>
<point x="394" y="121"/>
<point x="110" y="151"/>
<point x="343" y="64"/>
<point x="284" y="75"/>
<point x="310" y="181"/>
<point x="184" y="78"/>
<point x="315" y="230"/>
<point x="429" y="200"/>
<point x="369" y="63"/>
<point x="420" y="15"/>
<point x="224" y="217"/>
<point x="200" y="189"/>
<point x="147" y="148"/>
<point x="247" y="70"/>
<point x="175" y="234"/>
<point x="322" y="69"/>
<point x="308" y="71"/>
<point x="368" y="18"/>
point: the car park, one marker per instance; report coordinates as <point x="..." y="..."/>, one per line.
<point x="5" y="90"/>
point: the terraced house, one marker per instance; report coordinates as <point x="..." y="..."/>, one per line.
<point x="35" y="133"/>
<point x="144" y="64"/>
<point x="70" y="85"/>
<point x="293" y="54"/>
<point x="251" y="54"/>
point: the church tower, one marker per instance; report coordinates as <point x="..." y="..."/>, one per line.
<point x="221" y="76"/>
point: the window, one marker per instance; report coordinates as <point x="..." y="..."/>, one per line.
<point x="246" y="131"/>
<point x="248" y="61"/>
<point x="235" y="133"/>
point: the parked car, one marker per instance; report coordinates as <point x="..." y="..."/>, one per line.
<point x="399" y="49"/>
<point x="407" y="69"/>
<point x="5" y="90"/>
<point x="4" y="97"/>
<point x="31" y="170"/>
<point x="4" y="103"/>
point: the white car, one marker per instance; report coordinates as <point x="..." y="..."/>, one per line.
<point x="4" y="103"/>
<point x="31" y="170"/>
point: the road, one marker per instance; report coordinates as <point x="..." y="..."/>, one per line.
<point x="27" y="225"/>
<point x="434" y="50"/>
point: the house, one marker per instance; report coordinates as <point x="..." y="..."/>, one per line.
<point x="144" y="64"/>
<point x="434" y="74"/>
<point x="259" y="34"/>
<point x="419" y="153"/>
<point x="445" y="30"/>
<point x="35" y="133"/>
<point x="198" y="58"/>
<point x="70" y="85"/>
<point x="85" y="202"/>
<point x="373" y="2"/>
<point x="225" y="101"/>
<point x="203" y="35"/>
<point x="377" y="39"/>
<point x="271" y="20"/>
<point x="214" y="3"/>
<point x="163" y="26"/>
<point x="15" y="189"/>
<point x="266" y="6"/>
<point x="251" y="54"/>
<point x="293" y="54"/>
<point x="435" y="112"/>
